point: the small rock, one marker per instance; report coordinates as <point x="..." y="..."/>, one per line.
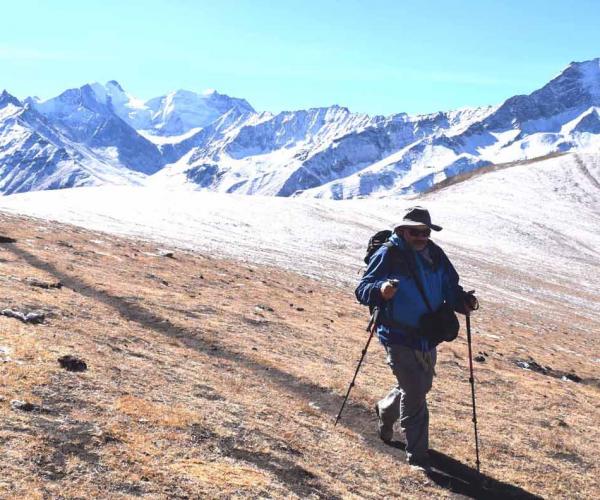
<point x="72" y="363"/>
<point x="6" y="239"/>
<point x="157" y="278"/>
<point x="314" y="405"/>
<point x="300" y="309"/>
<point x="34" y="317"/>
<point x="480" y="359"/>
<point x="17" y="404"/>
<point x="262" y="307"/>
<point x="166" y="253"/>
<point x="42" y="284"/>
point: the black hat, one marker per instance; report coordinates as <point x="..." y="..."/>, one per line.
<point x="418" y="216"/>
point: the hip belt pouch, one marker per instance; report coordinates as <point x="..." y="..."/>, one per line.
<point x="440" y="325"/>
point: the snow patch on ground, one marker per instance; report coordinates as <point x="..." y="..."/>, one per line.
<point x="528" y="234"/>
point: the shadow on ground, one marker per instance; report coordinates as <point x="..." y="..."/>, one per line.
<point x="459" y="478"/>
<point x="448" y="473"/>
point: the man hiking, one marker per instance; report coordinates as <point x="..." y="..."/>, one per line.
<point x="408" y="278"/>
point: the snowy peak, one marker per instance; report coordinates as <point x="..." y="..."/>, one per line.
<point x="578" y="84"/>
<point x="173" y="114"/>
<point x="180" y="111"/>
<point x="114" y="84"/>
<point x="589" y="72"/>
<point x="6" y="99"/>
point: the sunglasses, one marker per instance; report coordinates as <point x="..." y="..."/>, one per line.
<point x="415" y="233"/>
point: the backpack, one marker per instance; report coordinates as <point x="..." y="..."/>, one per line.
<point x="375" y="241"/>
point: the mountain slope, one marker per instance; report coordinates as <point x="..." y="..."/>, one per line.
<point x="209" y="377"/>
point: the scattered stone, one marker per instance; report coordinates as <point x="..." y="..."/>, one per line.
<point x="166" y="253"/>
<point x="43" y="284"/>
<point x="157" y="278"/>
<point x="34" y="317"/>
<point x="18" y="405"/>
<point x="4" y="354"/>
<point x="547" y="370"/>
<point x="262" y="307"/>
<point x="72" y="363"/>
<point x="480" y="359"/>
<point x="534" y="367"/>
<point x="300" y="309"/>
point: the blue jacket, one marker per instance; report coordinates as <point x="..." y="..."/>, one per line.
<point x="440" y="283"/>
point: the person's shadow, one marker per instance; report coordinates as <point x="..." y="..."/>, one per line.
<point x="459" y="478"/>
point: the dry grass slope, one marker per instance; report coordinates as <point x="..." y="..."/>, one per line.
<point x="216" y="379"/>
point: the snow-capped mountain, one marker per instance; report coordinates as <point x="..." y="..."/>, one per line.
<point x="86" y="116"/>
<point x="34" y="155"/>
<point x="332" y="153"/>
<point x="210" y="141"/>
<point x="173" y="114"/>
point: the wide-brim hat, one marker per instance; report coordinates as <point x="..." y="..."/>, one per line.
<point x="418" y="216"/>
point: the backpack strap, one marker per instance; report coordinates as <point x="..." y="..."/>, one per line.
<point x="408" y="259"/>
<point x="415" y="276"/>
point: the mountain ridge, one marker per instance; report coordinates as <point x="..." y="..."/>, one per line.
<point x="210" y="141"/>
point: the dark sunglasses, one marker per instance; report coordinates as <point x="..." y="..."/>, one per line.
<point x="415" y="233"/>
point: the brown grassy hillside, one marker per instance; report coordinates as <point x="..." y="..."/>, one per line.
<point x="209" y="378"/>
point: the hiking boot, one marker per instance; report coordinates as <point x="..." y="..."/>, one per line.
<point x="385" y="433"/>
<point x="419" y="463"/>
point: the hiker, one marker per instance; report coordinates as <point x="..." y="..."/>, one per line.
<point x="422" y="280"/>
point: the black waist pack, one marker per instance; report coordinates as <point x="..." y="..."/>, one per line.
<point x="440" y="325"/>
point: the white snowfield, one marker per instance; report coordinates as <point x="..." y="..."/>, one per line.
<point x="526" y="235"/>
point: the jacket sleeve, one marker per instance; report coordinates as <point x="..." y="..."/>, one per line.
<point x="368" y="291"/>
<point x="453" y="292"/>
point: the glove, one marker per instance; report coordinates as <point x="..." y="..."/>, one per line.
<point x="470" y="300"/>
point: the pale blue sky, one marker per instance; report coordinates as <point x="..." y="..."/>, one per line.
<point x="371" y="56"/>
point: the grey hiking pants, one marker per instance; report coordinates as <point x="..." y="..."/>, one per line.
<point x="407" y="400"/>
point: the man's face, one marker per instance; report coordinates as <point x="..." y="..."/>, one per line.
<point x="416" y="236"/>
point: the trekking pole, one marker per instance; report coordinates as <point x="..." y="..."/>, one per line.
<point x="370" y="328"/>
<point x="472" y="381"/>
